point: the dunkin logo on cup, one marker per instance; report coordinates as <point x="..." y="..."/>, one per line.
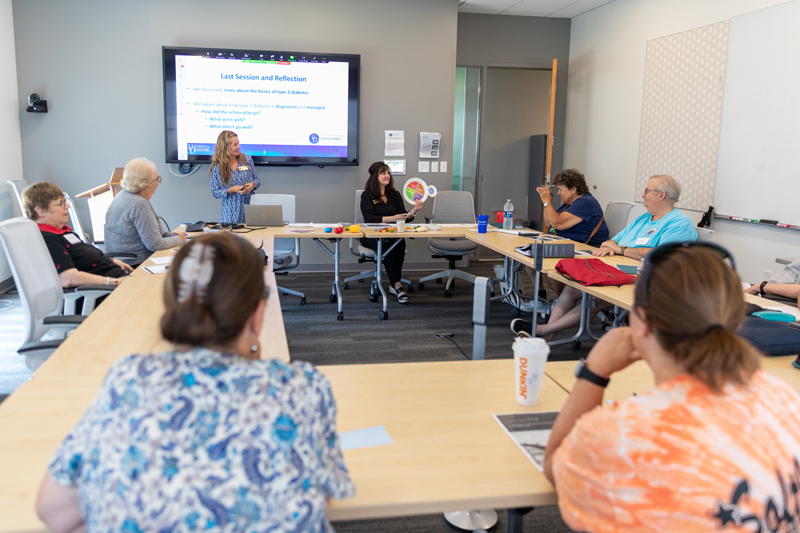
<point x="523" y="377"/>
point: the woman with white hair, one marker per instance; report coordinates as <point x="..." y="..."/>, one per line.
<point x="132" y="225"/>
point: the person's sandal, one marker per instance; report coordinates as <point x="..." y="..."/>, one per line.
<point x="402" y="297"/>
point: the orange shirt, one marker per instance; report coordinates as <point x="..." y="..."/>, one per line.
<point x="681" y="458"/>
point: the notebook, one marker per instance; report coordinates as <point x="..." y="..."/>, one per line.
<point x="263" y="215"/>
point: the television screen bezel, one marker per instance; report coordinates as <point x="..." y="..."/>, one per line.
<point x="170" y="107"/>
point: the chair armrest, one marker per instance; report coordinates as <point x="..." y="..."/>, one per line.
<point x="39" y="345"/>
<point x="72" y="320"/>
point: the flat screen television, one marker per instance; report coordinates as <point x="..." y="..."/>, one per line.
<point x="288" y="108"/>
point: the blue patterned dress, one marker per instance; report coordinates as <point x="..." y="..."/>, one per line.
<point x="233" y="204"/>
<point x="198" y="440"/>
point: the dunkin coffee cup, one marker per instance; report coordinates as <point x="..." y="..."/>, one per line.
<point x="530" y="356"/>
<point x="401" y="226"/>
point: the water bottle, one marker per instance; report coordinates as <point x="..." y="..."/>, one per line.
<point x="508" y="215"/>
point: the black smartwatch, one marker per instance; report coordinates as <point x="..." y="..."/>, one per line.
<point x="761" y="287"/>
<point x="581" y="372"/>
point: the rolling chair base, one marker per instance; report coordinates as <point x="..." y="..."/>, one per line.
<point x="472" y="520"/>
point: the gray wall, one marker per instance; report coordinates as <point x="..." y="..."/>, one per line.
<point x="530" y="42"/>
<point x="9" y="127"/>
<point x="98" y="64"/>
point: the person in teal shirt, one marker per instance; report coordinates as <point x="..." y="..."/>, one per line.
<point x="661" y="224"/>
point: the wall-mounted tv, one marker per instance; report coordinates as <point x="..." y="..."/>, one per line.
<point x="288" y="108"/>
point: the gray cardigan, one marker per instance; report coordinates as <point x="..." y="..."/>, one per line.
<point x="132" y="226"/>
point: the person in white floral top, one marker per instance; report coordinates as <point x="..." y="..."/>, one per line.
<point x="205" y="437"/>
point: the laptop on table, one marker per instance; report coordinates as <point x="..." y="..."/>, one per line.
<point x="263" y="215"/>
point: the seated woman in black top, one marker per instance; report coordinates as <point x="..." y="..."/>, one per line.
<point x="77" y="263"/>
<point x="382" y="203"/>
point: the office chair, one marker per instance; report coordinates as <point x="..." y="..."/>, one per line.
<point x="286" y="253"/>
<point x="366" y="255"/>
<point x="616" y="216"/>
<point x="40" y="290"/>
<point x="450" y="207"/>
<point x="21" y="184"/>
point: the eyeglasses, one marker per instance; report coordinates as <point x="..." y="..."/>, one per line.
<point x="158" y="178"/>
<point x="63" y="204"/>
<point x="651" y="190"/>
<point x="662" y="252"/>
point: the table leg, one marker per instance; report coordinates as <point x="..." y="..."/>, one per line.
<point x="383" y="314"/>
<point x="336" y="293"/>
<point x="514" y="519"/>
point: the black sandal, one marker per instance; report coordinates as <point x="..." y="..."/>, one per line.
<point x="402" y="297"/>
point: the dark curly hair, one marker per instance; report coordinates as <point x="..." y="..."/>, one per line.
<point x="572" y="179"/>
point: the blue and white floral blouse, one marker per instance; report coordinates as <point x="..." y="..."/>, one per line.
<point x="198" y="440"/>
<point x="232" y="211"/>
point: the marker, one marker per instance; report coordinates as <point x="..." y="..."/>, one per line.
<point x="740" y="219"/>
<point x="784" y="225"/>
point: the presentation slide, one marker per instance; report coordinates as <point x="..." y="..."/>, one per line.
<point x="279" y="106"/>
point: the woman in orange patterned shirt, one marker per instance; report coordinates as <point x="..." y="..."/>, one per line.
<point x="714" y="446"/>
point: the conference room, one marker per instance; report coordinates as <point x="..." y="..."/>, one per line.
<point x="102" y="79"/>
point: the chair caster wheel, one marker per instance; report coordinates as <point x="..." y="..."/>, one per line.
<point x="421" y="286"/>
<point x="346" y="287"/>
<point x="439" y="281"/>
<point x="340" y="316"/>
<point x="332" y="298"/>
<point x="303" y="300"/>
<point x="576" y="345"/>
<point x="383" y="315"/>
<point x="410" y="288"/>
<point x="515" y="312"/>
<point x="373" y="297"/>
<point x="448" y="294"/>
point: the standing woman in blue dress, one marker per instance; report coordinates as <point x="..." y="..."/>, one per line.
<point x="233" y="178"/>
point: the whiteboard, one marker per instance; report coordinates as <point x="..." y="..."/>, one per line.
<point x="758" y="173"/>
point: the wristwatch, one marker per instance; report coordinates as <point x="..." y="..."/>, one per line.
<point x="622" y="250"/>
<point x="546" y="204"/>
<point x="761" y="287"/>
<point x="581" y="372"/>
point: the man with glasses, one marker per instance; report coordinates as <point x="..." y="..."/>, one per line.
<point x="662" y="223"/>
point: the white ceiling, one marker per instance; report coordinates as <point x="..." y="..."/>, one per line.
<point x="530" y="8"/>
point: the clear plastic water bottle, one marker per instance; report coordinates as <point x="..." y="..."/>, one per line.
<point x="508" y="215"/>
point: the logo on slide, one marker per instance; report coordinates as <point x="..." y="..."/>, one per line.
<point x="199" y="149"/>
<point x="314" y="138"/>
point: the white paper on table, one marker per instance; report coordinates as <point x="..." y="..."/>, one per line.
<point x="301" y="224"/>
<point x="158" y="269"/>
<point x="163" y="260"/>
<point x="394" y="143"/>
<point x="363" y="438"/>
<point x="320" y="225"/>
<point x="785" y="309"/>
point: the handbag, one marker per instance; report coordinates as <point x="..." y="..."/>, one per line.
<point x="593" y="271"/>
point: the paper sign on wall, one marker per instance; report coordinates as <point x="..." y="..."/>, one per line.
<point x="429" y="144"/>
<point x="394" y="143"/>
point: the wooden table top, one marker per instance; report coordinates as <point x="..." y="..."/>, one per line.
<point x="448" y="451"/>
<point x="637" y="378"/>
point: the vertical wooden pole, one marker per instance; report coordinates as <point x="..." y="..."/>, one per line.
<point x="549" y="157"/>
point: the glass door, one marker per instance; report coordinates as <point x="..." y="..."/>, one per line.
<point x="466" y="130"/>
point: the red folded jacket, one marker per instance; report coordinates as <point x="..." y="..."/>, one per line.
<point x="593" y="271"/>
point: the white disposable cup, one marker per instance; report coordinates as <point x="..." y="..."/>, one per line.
<point x="530" y="356"/>
<point x="401" y="226"/>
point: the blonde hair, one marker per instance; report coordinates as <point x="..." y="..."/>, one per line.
<point x="222" y="156"/>
<point x="39" y="195"/>
<point x="693" y="303"/>
<point x="139" y="173"/>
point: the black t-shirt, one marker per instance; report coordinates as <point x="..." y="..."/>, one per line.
<point x="68" y="251"/>
<point x="374" y="212"/>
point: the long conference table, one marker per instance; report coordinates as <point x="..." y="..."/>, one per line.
<point x="447" y="454"/>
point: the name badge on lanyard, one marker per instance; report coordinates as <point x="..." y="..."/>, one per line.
<point x="72" y="238"/>
<point x="243" y="167"/>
